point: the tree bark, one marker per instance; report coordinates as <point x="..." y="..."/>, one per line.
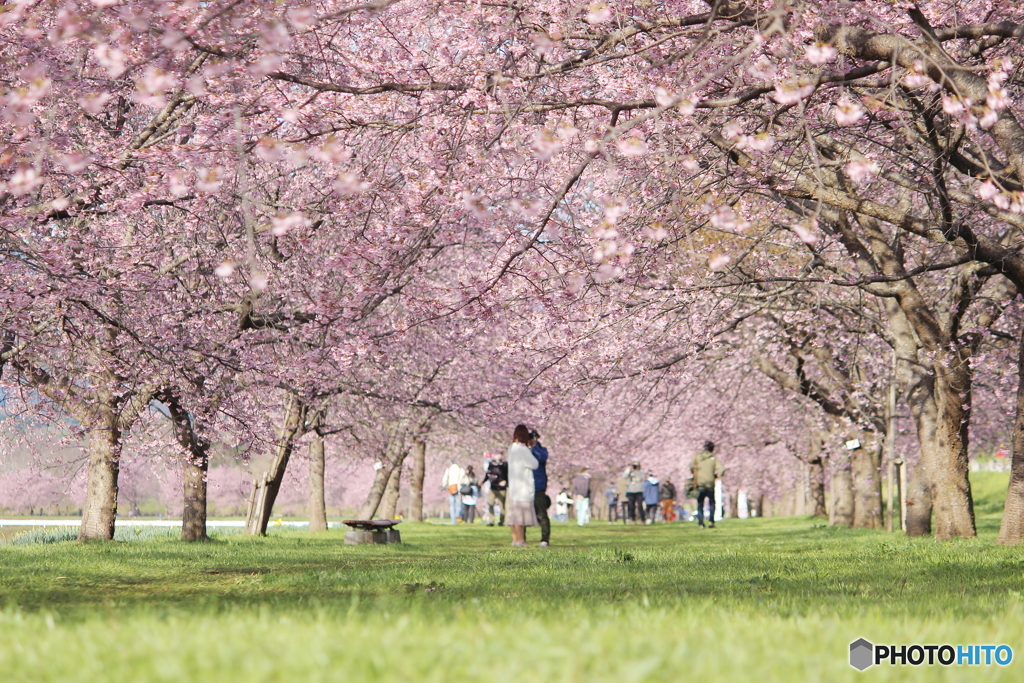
<point x="419" y="469"/>
<point x="194" y="467"/>
<point x="317" y="465"/>
<point x="842" y="497"/>
<point x="380" y="481"/>
<point x="1011" y="530"/>
<point x="100" y="510"/>
<point x="936" y="405"/>
<point x="732" y="503"/>
<point x="919" y="502"/>
<point x="755" y="504"/>
<point x="193" y="514"/>
<point x="388" y="503"/>
<point x="265" y="488"/>
<point x="865" y="468"/>
<point x="816" y="475"/>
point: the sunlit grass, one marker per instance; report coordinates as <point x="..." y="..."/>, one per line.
<point x="763" y="600"/>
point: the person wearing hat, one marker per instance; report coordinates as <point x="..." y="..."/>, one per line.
<point x="634" y="477"/>
<point x="706" y="469"/>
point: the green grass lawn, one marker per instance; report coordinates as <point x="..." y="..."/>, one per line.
<point x="759" y="600"/>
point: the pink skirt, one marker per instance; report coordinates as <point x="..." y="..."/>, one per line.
<point x="521" y="514"/>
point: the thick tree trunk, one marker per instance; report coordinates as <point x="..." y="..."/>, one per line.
<point x="266" y="487"/>
<point x="842" y="496"/>
<point x="919" y="502"/>
<point x="100" y="509"/>
<point x="389" y="501"/>
<point x="816" y="475"/>
<point x="865" y="468"/>
<point x="936" y="405"/>
<point x="419" y="469"/>
<point x="193" y="514"/>
<point x="755" y="503"/>
<point x="194" y="467"/>
<point x="732" y="503"/>
<point x="317" y="500"/>
<point x="1011" y="530"/>
<point x="317" y="465"/>
<point x="936" y="393"/>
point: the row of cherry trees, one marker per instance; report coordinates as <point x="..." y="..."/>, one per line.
<point x="389" y="221"/>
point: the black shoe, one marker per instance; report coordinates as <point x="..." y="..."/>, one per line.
<point x="490" y="524"/>
<point x="712" y="525"/>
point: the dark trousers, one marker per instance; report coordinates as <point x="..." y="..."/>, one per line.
<point x="541" y="503"/>
<point x="635" y="501"/>
<point x="468" y="513"/>
<point x="708" y="494"/>
<point x="652" y="511"/>
<point x="613" y="512"/>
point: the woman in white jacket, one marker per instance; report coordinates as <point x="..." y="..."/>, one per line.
<point x="521" y="465"/>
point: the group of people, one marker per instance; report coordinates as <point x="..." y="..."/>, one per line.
<point x="517" y="490"/>
<point x="646" y="494"/>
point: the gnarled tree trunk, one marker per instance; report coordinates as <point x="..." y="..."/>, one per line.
<point x="816" y="475"/>
<point x="1011" y="530"/>
<point x="265" y="488"/>
<point x="194" y="467"/>
<point x="842" y="496"/>
<point x="317" y="465"/>
<point x="419" y="469"/>
<point x="100" y="510"/>
<point x="919" y="502"/>
<point x="389" y="501"/>
<point x="865" y="468"/>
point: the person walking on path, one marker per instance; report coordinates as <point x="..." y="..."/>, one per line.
<point x="497" y="477"/>
<point x="667" y="493"/>
<point x="451" y="480"/>
<point x="521" y="485"/>
<point x="706" y="469"/>
<point x="634" y="491"/>
<point x="651" y="496"/>
<point x="611" y="499"/>
<point x="581" y="492"/>
<point x="470" y="491"/>
<point x="541" y="500"/>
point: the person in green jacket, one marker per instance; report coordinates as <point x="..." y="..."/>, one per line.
<point x="706" y="469"/>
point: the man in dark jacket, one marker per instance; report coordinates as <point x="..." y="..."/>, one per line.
<point x="541" y="501"/>
<point x="497" y="477"/>
<point x="581" y="492"/>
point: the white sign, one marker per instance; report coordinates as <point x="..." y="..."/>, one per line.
<point x="852" y="445"/>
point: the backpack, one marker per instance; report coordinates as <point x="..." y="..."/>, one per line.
<point x="466" y="490"/>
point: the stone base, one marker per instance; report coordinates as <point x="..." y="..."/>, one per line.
<point x="357" y="537"/>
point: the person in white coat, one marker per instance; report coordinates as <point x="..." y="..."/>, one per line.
<point x="521" y="464"/>
<point x="452" y="480"/>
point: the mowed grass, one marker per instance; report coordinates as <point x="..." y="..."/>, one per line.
<point x="762" y="600"/>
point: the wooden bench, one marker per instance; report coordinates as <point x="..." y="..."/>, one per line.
<point x="379" y="531"/>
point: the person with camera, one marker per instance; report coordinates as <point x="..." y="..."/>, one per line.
<point x="541" y="500"/>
